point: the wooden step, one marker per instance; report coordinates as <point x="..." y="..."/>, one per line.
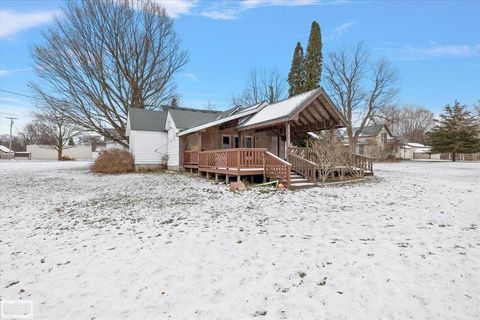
<point x="298" y="181"/>
<point x="301" y="185"/>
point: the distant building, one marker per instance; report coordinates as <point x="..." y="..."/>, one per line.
<point x="5" y="153"/>
<point x="411" y="150"/>
<point x="375" y="140"/>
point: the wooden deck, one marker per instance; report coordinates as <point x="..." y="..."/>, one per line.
<point x="304" y="165"/>
<point x="239" y="162"/>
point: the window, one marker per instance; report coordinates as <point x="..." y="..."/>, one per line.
<point x="235" y="142"/>
<point x="225" y="142"/>
<point x="361" y="149"/>
<point x="248" y="142"/>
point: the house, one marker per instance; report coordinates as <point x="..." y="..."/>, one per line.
<point x="411" y="150"/>
<point x="256" y="141"/>
<point x="374" y="140"/>
<point x="5" y="153"/>
<point x="153" y="140"/>
<point x="253" y="141"/>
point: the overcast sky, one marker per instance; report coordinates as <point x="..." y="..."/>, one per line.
<point x="435" y="45"/>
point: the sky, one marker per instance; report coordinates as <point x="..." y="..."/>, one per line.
<point x="434" y="45"/>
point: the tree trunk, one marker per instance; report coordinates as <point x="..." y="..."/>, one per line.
<point x="454" y="156"/>
<point x="59" y="154"/>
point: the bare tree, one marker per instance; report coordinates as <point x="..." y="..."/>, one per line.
<point x="56" y="127"/>
<point x="359" y="87"/>
<point x="410" y="122"/>
<point x="17" y="143"/>
<point x="262" y="85"/>
<point x="103" y="57"/>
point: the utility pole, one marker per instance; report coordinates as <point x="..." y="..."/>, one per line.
<point x="10" y="146"/>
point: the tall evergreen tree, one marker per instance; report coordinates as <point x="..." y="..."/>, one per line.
<point x="296" y="75"/>
<point x="313" y="59"/>
<point x="455" y="133"/>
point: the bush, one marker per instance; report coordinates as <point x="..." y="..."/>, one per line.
<point x="113" y="161"/>
<point x="66" y="158"/>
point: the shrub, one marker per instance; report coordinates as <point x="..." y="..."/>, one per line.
<point x="113" y="161"/>
<point x="66" y="158"/>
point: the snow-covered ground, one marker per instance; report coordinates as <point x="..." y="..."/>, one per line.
<point x="405" y="245"/>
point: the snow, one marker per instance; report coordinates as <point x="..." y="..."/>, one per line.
<point x="405" y="244"/>
<point x="280" y="109"/>
<point x="5" y="149"/>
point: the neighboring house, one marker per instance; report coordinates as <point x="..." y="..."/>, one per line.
<point x="5" y="153"/>
<point x="153" y="140"/>
<point x="374" y="139"/>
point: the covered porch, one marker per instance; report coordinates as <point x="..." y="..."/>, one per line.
<point x="262" y="143"/>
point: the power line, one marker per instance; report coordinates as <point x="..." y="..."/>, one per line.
<point x="10" y="147"/>
<point x="11" y="114"/>
<point x="18" y="94"/>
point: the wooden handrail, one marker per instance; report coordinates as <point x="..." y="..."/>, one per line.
<point x="277" y="168"/>
<point x="306" y="153"/>
<point x="305" y="167"/>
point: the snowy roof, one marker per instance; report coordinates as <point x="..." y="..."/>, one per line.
<point x="236" y="115"/>
<point x="282" y="109"/>
<point x="416" y="145"/>
<point x="4" y="149"/>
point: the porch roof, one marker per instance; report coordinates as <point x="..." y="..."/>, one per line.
<point x="237" y="115"/>
<point x="309" y="111"/>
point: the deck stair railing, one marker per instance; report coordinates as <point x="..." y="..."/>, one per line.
<point x="305" y="167"/>
<point x="277" y="168"/>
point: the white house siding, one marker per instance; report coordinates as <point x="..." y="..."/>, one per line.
<point x="149" y="148"/>
<point x="44" y="152"/>
<point x="173" y="144"/>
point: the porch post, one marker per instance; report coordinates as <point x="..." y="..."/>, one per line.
<point x="199" y="141"/>
<point x="287" y="143"/>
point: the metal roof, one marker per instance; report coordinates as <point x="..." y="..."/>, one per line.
<point x="185" y="118"/>
<point x="147" y="120"/>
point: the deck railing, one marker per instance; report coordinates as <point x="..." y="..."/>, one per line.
<point x="305" y="153"/>
<point x="363" y="162"/>
<point x="305" y="167"/>
<point x="232" y="159"/>
<point x="190" y="157"/>
<point x="277" y="168"/>
<point x="357" y="160"/>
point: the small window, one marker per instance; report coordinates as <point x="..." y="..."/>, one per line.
<point x="248" y="142"/>
<point x="235" y="142"/>
<point x="226" y="142"/>
<point x="361" y="149"/>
